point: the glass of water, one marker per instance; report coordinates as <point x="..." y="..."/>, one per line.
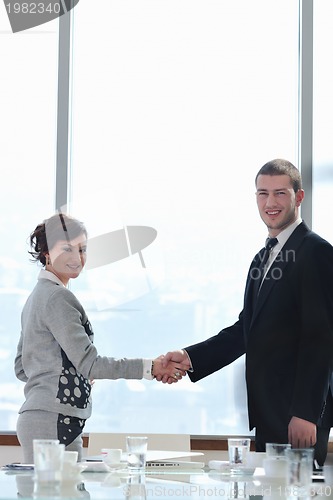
<point x="238" y="449"/>
<point x="136" y="447"/>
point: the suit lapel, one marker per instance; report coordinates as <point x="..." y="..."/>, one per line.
<point x="286" y="256"/>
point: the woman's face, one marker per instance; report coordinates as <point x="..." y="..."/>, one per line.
<point x="67" y="258"/>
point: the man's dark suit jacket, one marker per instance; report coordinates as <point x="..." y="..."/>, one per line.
<point x="287" y="336"/>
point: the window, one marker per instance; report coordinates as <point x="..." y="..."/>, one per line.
<point x="28" y="103"/>
<point x="176" y="105"/>
<point x="322" y="119"/>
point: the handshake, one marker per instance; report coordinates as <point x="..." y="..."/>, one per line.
<point x="171" y="367"/>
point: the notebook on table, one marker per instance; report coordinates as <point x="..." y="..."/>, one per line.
<point x="177" y="459"/>
<point x="158" y="459"/>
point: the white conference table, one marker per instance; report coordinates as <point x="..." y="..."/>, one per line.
<point x="169" y="485"/>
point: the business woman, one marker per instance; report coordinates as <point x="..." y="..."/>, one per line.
<point x="56" y="357"/>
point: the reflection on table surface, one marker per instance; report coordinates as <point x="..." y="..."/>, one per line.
<point x="196" y="484"/>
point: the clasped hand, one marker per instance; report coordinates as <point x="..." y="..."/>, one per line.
<point x="171" y="367"/>
<point x="169" y="370"/>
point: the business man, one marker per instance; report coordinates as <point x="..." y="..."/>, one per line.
<point x="286" y="326"/>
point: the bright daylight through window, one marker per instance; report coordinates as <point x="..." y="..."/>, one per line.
<point x="28" y="103"/>
<point x="174" y="108"/>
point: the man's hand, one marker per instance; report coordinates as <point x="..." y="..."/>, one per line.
<point x="179" y="356"/>
<point x="302" y="433"/>
<point x="168" y="372"/>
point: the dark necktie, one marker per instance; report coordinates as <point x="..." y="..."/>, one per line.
<point x="258" y="277"/>
<point x="270" y="243"/>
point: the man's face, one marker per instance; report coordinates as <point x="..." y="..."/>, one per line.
<point x="277" y="202"/>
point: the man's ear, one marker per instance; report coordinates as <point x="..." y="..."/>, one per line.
<point x="299" y="197"/>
